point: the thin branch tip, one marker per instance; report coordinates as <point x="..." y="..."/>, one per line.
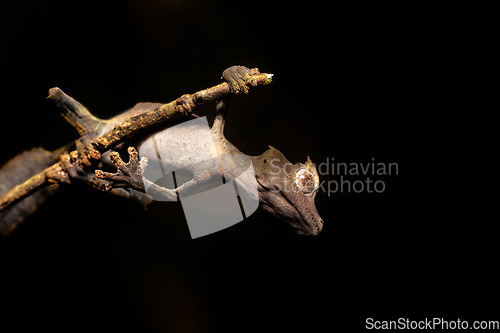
<point x="54" y="92"/>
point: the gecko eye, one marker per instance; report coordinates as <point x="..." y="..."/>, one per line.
<point x="305" y="181"/>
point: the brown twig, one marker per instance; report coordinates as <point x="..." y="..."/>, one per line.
<point x="179" y="108"/>
<point x="131" y="127"/>
<point x="51" y="175"/>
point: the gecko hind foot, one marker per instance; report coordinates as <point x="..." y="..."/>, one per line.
<point x="128" y="174"/>
<point x="87" y="153"/>
<point x="77" y="163"/>
<point x="186" y="102"/>
<point x="238" y="77"/>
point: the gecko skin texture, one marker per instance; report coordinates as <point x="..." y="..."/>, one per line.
<point x="286" y="191"/>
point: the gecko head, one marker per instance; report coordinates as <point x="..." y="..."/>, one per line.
<point x="287" y="191"/>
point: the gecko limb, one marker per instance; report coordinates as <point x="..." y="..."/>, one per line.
<point x="238" y="78"/>
<point x="128" y="174"/>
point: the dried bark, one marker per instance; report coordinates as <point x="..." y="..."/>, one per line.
<point x="131" y="127"/>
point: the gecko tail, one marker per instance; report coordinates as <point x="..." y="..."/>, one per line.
<point x="17" y="170"/>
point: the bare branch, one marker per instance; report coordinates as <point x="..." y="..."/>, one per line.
<point x="181" y="107"/>
<point x="74" y="112"/>
<point x="51" y="175"/>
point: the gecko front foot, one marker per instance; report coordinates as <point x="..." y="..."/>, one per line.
<point x="186" y="102"/>
<point x="87" y="154"/>
<point x="237" y="77"/>
<point x="77" y="163"/>
<point x="128" y="174"/>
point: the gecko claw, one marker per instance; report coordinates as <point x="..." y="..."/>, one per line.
<point x="238" y="78"/>
<point x="128" y="174"/>
<point x="186" y="102"/>
<point x="87" y="153"/>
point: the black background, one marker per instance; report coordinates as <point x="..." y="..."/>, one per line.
<point x="354" y="80"/>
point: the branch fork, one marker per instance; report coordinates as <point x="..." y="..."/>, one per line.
<point x="127" y="174"/>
